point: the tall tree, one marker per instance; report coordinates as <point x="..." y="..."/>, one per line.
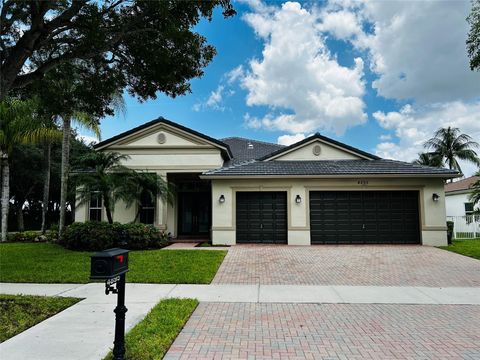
<point x="449" y="145"/>
<point x="102" y="173"/>
<point x="429" y="159"/>
<point x="16" y="126"/>
<point x="473" y="38"/>
<point x="149" y="46"/>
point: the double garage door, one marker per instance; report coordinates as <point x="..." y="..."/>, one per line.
<point x="336" y="217"/>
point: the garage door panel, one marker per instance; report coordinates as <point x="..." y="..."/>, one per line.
<point x="261" y="217"/>
<point x="357" y="217"/>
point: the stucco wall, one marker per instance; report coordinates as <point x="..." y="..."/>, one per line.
<point x="432" y="214"/>
<point x="455" y="204"/>
<point x="327" y="152"/>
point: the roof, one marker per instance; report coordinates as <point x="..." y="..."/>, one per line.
<point x="242" y="151"/>
<point x="161" y="120"/>
<point x="323" y="139"/>
<point x="302" y="168"/>
<point x="461" y="185"/>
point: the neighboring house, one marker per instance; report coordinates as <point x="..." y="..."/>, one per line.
<point x="457" y="194"/>
<point x="316" y="191"/>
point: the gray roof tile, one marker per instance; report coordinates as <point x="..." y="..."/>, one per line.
<point x="241" y="151"/>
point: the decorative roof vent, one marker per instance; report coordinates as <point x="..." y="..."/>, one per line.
<point x="249" y="145"/>
<point x="317" y="150"/>
<point x="161" y="138"/>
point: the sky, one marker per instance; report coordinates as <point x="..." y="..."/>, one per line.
<point x="378" y="75"/>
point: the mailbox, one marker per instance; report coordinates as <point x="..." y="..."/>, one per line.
<point x="109" y="263"/>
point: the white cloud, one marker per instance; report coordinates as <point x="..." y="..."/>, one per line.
<point x="297" y="78"/>
<point x="413" y="126"/>
<point x="290" y="139"/>
<point x="214" y="100"/>
<point x="235" y="74"/>
<point x="385" y="137"/>
<point x="417" y="48"/>
<point x="87" y="139"/>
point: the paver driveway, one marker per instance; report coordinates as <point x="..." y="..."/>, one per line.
<point x="329" y="331"/>
<point x="374" y="265"/>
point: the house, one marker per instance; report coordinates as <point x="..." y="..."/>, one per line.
<point x="316" y="191"/>
<point x="457" y="195"/>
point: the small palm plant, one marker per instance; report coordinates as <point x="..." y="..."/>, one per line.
<point x="428" y="159"/>
<point x="475" y="195"/>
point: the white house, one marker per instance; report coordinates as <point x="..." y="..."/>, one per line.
<point x="316" y="191"/>
<point x="457" y="194"/>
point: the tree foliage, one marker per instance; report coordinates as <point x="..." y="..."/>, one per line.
<point x="429" y="159"/>
<point x="475" y="195"/>
<point x="473" y="38"/>
<point x="147" y="46"/>
<point x="448" y="144"/>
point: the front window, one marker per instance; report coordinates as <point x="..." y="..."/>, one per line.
<point x="468" y="209"/>
<point x="95" y="209"/>
<point x="147" y="210"/>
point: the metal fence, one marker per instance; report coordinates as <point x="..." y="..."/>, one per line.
<point x="465" y="227"/>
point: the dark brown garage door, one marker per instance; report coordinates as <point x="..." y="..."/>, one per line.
<point x="364" y="217"/>
<point x="261" y="217"/>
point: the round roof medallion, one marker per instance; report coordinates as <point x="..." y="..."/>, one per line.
<point x="161" y="138"/>
<point x="316" y="150"/>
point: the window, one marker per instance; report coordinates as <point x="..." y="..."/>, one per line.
<point x="468" y="208"/>
<point x="95" y="209"/>
<point x="147" y="210"/>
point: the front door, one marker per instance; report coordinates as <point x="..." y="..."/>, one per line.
<point x="194" y="214"/>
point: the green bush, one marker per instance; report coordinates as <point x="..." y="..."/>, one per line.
<point x="26" y="236"/>
<point x="95" y="236"/>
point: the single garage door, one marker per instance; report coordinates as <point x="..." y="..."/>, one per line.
<point x="364" y="217"/>
<point x="261" y="217"/>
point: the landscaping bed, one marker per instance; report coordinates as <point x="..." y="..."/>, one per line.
<point x="20" y="312"/>
<point x="50" y="263"/>
<point x="469" y="248"/>
<point x="151" y="338"/>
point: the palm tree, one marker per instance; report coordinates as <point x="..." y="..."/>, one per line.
<point x="139" y="186"/>
<point x="104" y="174"/>
<point x="449" y="144"/>
<point x="475" y="195"/>
<point x="83" y="120"/>
<point x="17" y="125"/>
<point x="428" y="159"/>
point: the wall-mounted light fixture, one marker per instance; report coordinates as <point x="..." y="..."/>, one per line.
<point x="435" y="197"/>
<point x="298" y="199"/>
<point x="221" y="199"/>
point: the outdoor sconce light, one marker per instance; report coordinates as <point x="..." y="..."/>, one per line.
<point x="221" y="199"/>
<point x="298" y="199"/>
<point x="435" y="197"/>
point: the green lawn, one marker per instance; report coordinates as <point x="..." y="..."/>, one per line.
<point x="151" y="338"/>
<point x="50" y="263"/>
<point x="465" y="247"/>
<point x="19" y="312"/>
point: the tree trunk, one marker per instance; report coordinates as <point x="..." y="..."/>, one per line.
<point x="64" y="173"/>
<point x="20" y="222"/>
<point x="5" y="194"/>
<point x="106" y="202"/>
<point x="46" y="183"/>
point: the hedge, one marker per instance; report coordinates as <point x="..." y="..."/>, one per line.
<point x="95" y="236"/>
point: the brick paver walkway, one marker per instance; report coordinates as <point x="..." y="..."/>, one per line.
<point x="329" y="331"/>
<point x="347" y="265"/>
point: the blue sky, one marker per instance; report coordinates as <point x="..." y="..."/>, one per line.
<point x="378" y="76"/>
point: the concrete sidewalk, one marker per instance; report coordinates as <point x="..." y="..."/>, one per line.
<point x="85" y="330"/>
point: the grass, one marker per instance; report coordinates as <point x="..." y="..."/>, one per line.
<point x="151" y="338"/>
<point x="465" y="247"/>
<point x="50" y="263"/>
<point x="20" y="312"/>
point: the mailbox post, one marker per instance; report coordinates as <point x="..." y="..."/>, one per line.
<point x="111" y="265"/>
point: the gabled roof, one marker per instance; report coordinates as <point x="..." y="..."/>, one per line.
<point x="326" y="168"/>
<point x="321" y="138"/>
<point x="463" y="185"/>
<point x="248" y="149"/>
<point x="226" y="152"/>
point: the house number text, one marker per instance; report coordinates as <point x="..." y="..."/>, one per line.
<point x="362" y="182"/>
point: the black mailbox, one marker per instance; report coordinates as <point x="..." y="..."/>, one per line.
<point x="109" y="263"/>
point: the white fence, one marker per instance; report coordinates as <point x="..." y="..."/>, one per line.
<point x="465" y="227"/>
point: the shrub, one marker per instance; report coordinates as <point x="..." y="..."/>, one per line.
<point x="450" y="225"/>
<point x="26" y="236"/>
<point x="95" y="236"/>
